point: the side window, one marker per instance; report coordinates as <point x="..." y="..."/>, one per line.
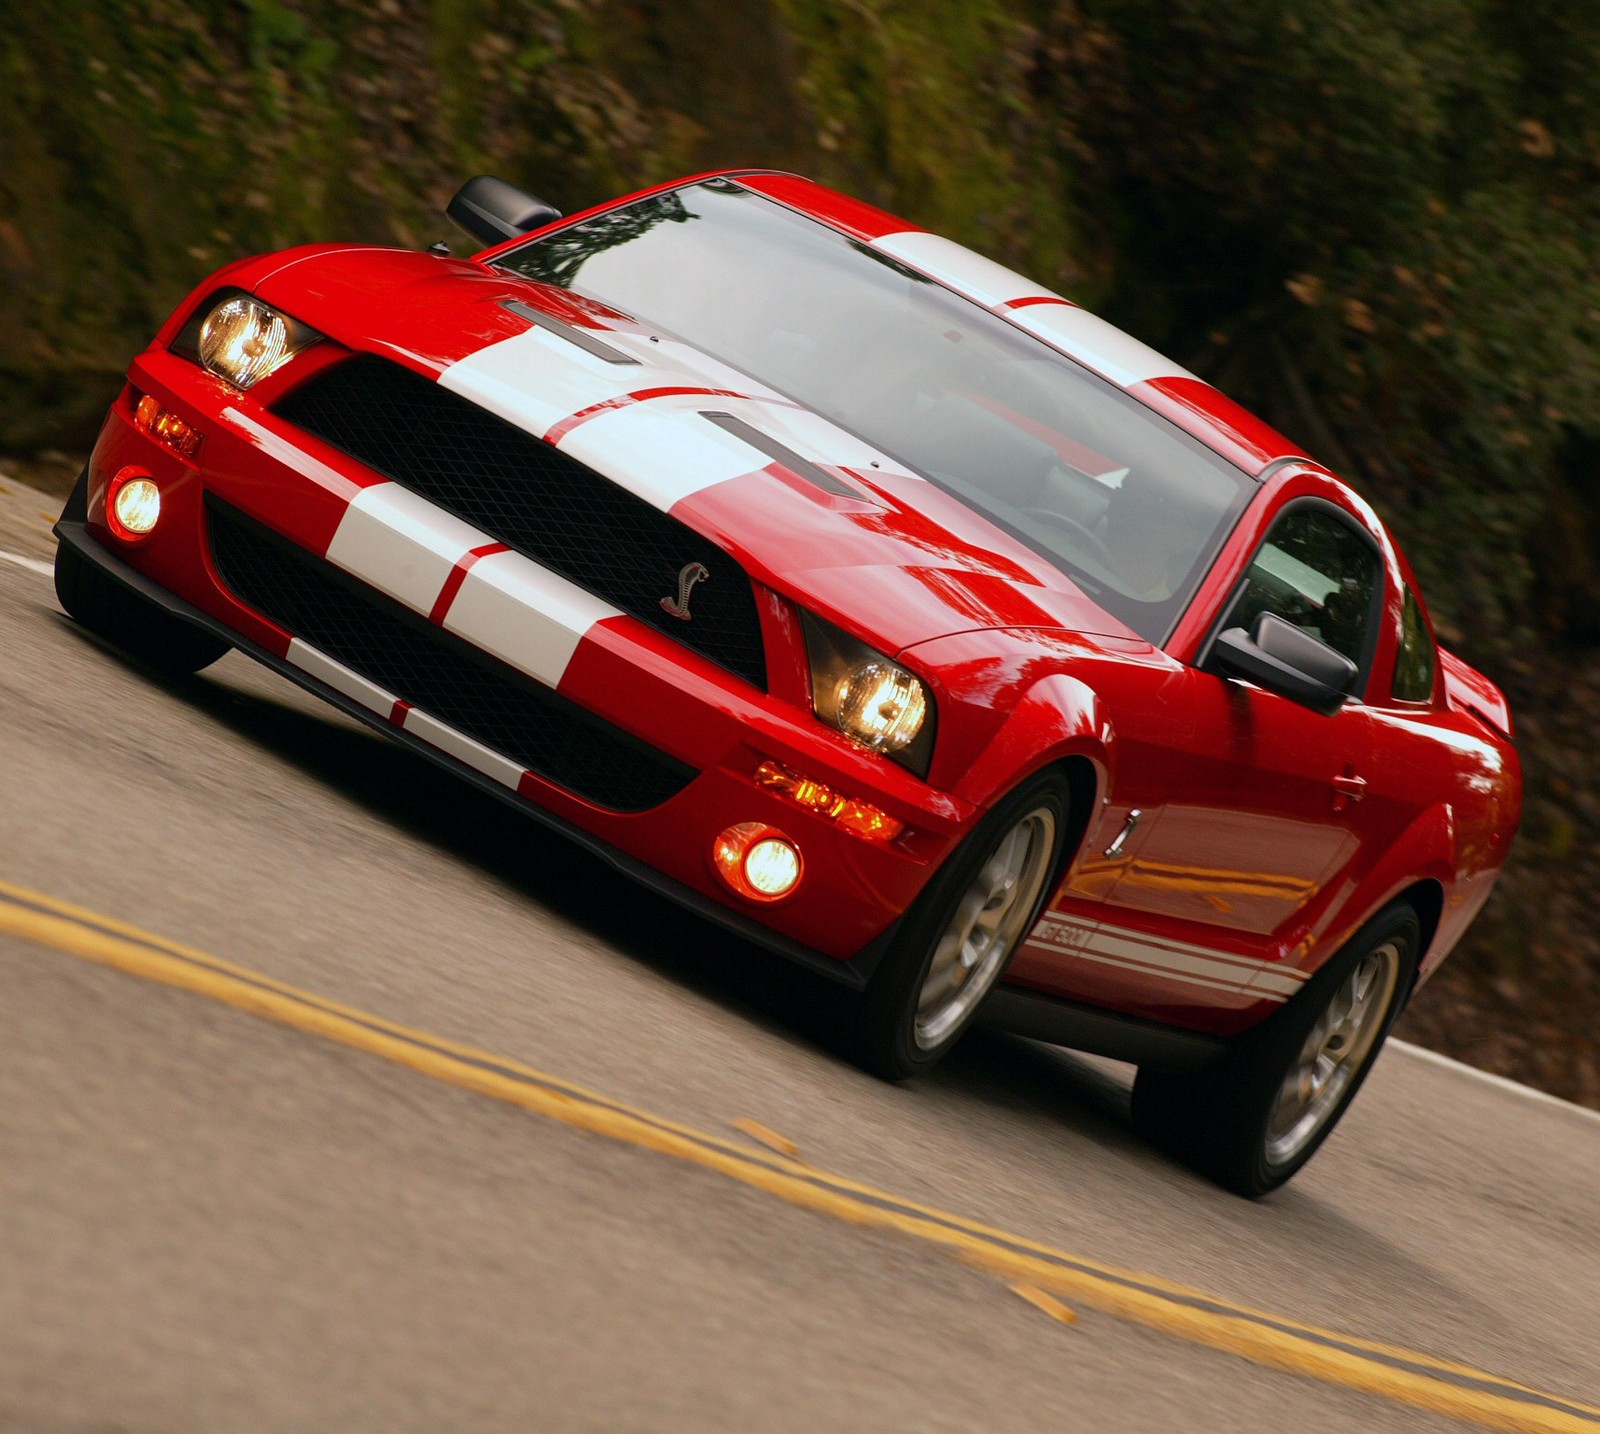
<point x="1416" y="659"/>
<point x="1318" y="573"/>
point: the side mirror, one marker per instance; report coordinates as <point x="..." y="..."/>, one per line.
<point x="493" y="211"/>
<point x="1287" y="660"/>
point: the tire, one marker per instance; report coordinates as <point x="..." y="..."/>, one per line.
<point x="958" y="937"/>
<point x="1253" y="1120"/>
<point x="124" y="618"/>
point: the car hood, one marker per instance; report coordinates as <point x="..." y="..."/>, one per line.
<point x="805" y="506"/>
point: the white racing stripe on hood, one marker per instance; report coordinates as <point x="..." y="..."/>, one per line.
<point x="958" y="267"/>
<point x="535" y="379"/>
<point x="660" y="455"/>
<point x="524" y="614"/>
<point x="811" y="436"/>
<point x="658" y="448"/>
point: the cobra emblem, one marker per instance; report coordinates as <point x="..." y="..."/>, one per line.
<point x="688" y="575"/>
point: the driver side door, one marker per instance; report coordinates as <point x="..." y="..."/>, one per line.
<point x="1251" y="809"/>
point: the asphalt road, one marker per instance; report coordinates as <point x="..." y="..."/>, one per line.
<point x="226" y="1204"/>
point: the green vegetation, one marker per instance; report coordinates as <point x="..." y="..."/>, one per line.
<point x="1374" y="222"/>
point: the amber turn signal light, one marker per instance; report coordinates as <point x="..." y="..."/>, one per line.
<point x="166" y="427"/>
<point x="859" y="818"/>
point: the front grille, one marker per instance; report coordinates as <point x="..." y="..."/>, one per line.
<point x="533" y="497"/>
<point x="436" y="672"/>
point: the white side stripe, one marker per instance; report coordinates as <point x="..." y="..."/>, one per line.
<point x="463" y="748"/>
<point x="340" y="678"/>
<point x="1102" y="346"/>
<point x="401" y="543"/>
<point x="524" y="614"/>
<point x="964" y="271"/>
<point x="1183" y="977"/>
<point x="1069" y="929"/>
<point x="1174" y="959"/>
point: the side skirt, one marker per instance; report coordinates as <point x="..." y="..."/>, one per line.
<point x="1099" y="1032"/>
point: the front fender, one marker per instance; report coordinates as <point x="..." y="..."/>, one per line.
<point x="1012" y="701"/>
<point x="1058" y="717"/>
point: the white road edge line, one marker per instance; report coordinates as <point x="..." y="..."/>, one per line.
<point x="33" y="565"/>
<point x="1514" y="1087"/>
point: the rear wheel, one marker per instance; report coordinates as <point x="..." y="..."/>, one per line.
<point x="123" y="617"/>
<point x="1262" y="1112"/>
<point x="959" y="936"/>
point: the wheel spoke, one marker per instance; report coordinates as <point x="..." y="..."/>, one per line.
<point x="984" y="925"/>
<point x="1336" y="1050"/>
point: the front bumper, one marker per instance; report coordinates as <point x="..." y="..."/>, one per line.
<point x="843" y="914"/>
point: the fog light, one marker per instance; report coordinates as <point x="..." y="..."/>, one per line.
<point x="166" y="427"/>
<point x="772" y="866"/>
<point x="133" y="504"/>
<point x="757" y="861"/>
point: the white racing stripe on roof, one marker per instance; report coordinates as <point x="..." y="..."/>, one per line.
<point x="463" y="748"/>
<point x="339" y="677"/>
<point x="1101" y="346"/>
<point x="524" y="614"/>
<point x="958" y="267"/>
<point x="401" y="543"/>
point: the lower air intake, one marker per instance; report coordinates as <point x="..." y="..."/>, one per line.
<point x="436" y="672"/>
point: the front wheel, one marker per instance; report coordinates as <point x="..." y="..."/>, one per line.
<point x="1260" y="1114"/>
<point x="959" y="936"/>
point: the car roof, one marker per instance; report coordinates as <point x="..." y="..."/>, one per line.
<point x="1160" y="383"/>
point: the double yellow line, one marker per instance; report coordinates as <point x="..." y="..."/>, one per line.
<point x="1404" y="1376"/>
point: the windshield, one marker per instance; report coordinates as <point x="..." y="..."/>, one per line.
<point x="1128" y="505"/>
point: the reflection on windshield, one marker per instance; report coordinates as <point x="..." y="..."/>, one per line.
<point x="1126" y="504"/>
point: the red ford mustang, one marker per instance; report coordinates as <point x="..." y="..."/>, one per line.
<point x="855" y="591"/>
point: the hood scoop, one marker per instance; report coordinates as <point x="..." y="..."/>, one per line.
<point x="589" y="342"/>
<point x="783" y="454"/>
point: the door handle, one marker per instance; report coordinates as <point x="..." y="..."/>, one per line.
<point x="1115" y="849"/>
<point x="1348" y="788"/>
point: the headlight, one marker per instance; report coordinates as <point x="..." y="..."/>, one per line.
<point x="870" y="699"/>
<point x="242" y="340"/>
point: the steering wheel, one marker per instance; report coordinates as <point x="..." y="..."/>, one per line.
<point x="1085" y="539"/>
